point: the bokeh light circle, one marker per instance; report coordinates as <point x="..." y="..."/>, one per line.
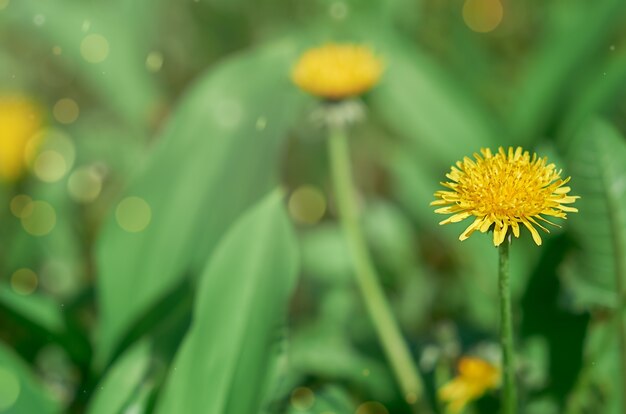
<point x="133" y="214"/>
<point x="483" y="16"/>
<point x="40" y="220"/>
<point x="302" y="398"/>
<point x="66" y="111"/>
<point x="24" y="281"/>
<point x="307" y="204"/>
<point x="94" y="48"/>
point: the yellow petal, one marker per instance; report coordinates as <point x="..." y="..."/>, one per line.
<point x="533" y="232"/>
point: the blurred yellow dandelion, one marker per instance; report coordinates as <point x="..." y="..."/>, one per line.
<point x="475" y="377"/>
<point x="503" y="190"/>
<point x="20" y="121"/>
<point x="337" y="71"/>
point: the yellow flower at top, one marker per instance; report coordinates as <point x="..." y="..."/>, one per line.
<point x="502" y="191"/>
<point x="20" y="121"/>
<point x="475" y="377"/>
<point x="337" y="71"/>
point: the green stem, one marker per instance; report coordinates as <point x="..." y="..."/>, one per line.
<point x="392" y="341"/>
<point x="506" y="332"/>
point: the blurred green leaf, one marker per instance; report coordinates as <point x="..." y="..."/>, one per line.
<point x="421" y="102"/>
<point x="222" y="366"/>
<point x="118" y="74"/>
<point x="599" y="385"/>
<point x="36" y="308"/>
<point x="599" y="93"/>
<point x="329" y="399"/>
<point x="123" y="382"/>
<point x="216" y="157"/>
<point x="596" y="162"/>
<point x="558" y="62"/>
<point x="19" y="391"/>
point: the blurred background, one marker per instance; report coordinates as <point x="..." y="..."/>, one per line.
<point x="148" y="263"/>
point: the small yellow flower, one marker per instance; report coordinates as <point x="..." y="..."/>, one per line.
<point x="337" y="71"/>
<point x="20" y="120"/>
<point x="503" y="190"/>
<point x="475" y="377"/>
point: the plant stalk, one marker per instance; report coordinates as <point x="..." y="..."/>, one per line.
<point x="509" y="397"/>
<point x="391" y="339"/>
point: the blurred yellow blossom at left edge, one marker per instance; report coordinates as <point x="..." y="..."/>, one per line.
<point x="20" y="122"/>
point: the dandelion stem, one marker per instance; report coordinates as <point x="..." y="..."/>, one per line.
<point x="509" y="397"/>
<point x="393" y="343"/>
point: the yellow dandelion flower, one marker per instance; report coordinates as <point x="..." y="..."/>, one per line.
<point x="503" y="190"/>
<point x="337" y="71"/>
<point x="20" y="120"/>
<point x="475" y="377"/>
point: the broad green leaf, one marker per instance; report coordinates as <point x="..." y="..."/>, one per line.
<point x="217" y="156"/>
<point x="223" y="363"/>
<point x="19" y="390"/>
<point x="599" y="386"/>
<point x="36" y="308"/>
<point x="596" y="163"/>
<point x="419" y="101"/>
<point x="599" y="93"/>
<point x="558" y="62"/>
<point x="123" y="382"/>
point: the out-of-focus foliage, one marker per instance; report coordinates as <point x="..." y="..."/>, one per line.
<point x="146" y="260"/>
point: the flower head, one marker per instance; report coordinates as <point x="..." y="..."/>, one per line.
<point x="20" y="121"/>
<point x="475" y="377"/>
<point x="503" y="190"/>
<point x="337" y="71"/>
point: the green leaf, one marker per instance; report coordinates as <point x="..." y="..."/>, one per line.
<point x="217" y="156"/>
<point x="123" y="382"/>
<point x="328" y="399"/>
<point x="19" y="391"/>
<point x="558" y="62"/>
<point x="223" y="363"/>
<point x="39" y="309"/>
<point x="418" y="100"/>
<point x="120" y="80"/>
<point x="596" y="164"/>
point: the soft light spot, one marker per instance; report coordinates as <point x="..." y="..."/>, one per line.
<point x="86" y="26"/>
<point x="411" y="398"/>
<point x="483" y="16"/>
<point x="55" y="141"/>
<point x="66" y="111"/>
<point x="371" y="407"/>
<point x="94" y="48"/>
<point x="21" y="205"/>
<point x="302" y="398"/>
<point x="338" y="10"/>
<point x="133" y="214"/>
<point x="9" y="389"/>
<point x="39" y="19"/>
<point x="40" y="220"/>
<point x="24" y="281"/>
<point x="154" y="61"/>
<point x="261" y="123"/>
<point x="4" y="4"/>
<point x="56" y="50"/>
<point x="227" y="113"/>
<point x="85" y="184"/>
<point x="307" y="204"/>
<point x="50" y="166"/>
<point x="366" y="372"/>
<point x="58" y="277"/>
